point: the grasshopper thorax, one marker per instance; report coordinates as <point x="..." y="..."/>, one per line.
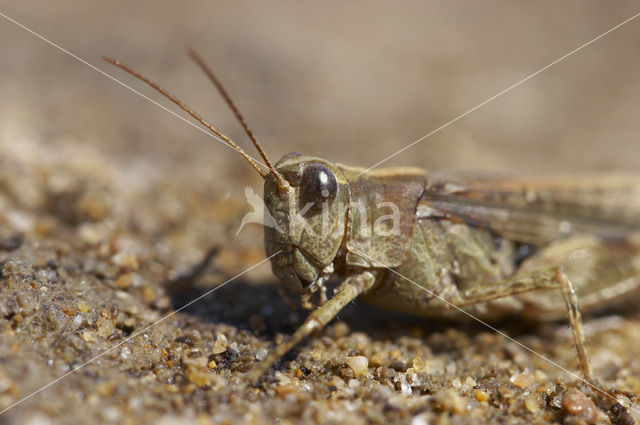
<point x="307" y="222"/>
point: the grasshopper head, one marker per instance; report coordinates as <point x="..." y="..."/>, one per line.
<point x="306" y="220"/>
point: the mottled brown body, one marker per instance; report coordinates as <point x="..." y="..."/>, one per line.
<point x="485" y="246"/>
<point x="471" y="233"/>
<point x="455" y="236"/>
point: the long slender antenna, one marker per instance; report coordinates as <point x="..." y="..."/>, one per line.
<point x="227" y="98"/>
<point x="191" y="112"/>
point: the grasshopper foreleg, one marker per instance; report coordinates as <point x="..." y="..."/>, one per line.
<point x="549" y="278"/>
<point x="348" y="291"/>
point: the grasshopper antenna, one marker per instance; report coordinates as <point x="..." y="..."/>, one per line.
<point x="194" y="114"/>
<point x="282" y="183"/>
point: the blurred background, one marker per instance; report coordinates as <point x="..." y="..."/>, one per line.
<point x="352" y="82"/>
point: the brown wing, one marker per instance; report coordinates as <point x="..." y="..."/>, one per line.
<point x="539" y="210"/>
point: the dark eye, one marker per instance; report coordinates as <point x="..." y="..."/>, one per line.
<point x="317" y="186"/>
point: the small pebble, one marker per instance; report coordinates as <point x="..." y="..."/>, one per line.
<point x="418" y="364"/>
<point x="405" y="389"/>
<point x="451" y="368"/>
<point x="577" y="403"/>
<point x="481" y="395"/>
<point x="622" y="415"/>
<point x="359" y="364"/>
<point x="83" y="306"/>
<point x="337" y="382"/>
<point x="523" y="380"/>
<point x="125" y="280"/>
<point x="469" y="383"/>
<point x="221" y="345"/>
<point x="125" y="352"/>
<point x="261" y="354"/>
<point x="89" y="336"/>
<point x="421" y="419"/>
<point x="199" y="378"/>
<point x="449" y="400"/>
<point x="380" y="358"/>
<point x="91" y="233"/>
<point x="197" y="371"/>
<point x="126" y="260"/>
<point x="531" y="404"/>
<point x="433" y="366"/>
<point x="541" y="377"/>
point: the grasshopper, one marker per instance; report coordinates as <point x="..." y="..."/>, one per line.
<point x="487" y="247"/>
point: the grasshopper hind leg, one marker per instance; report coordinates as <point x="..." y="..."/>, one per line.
<point x="549" y="278"/>
<point x="600" y="273"/>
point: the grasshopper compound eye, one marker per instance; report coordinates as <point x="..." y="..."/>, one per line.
<point x="317" y="186"/>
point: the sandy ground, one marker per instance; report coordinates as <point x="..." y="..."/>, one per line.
<point x="104" y="197"/>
